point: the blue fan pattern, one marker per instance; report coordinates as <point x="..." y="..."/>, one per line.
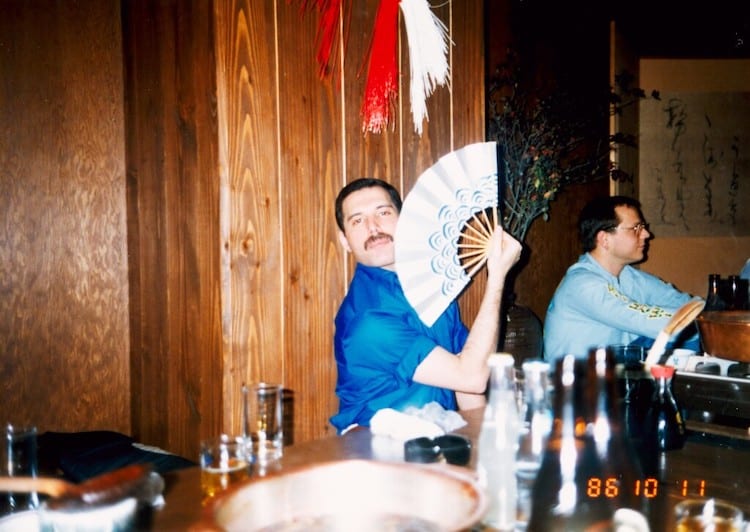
<point x="452" y="217"/>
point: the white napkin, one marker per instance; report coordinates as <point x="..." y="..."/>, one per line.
<point x="448" y="420"/>
<point x="400" y="426"/>
<point x="430" y="421"/>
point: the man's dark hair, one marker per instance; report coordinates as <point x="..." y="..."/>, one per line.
<point x="359" y="184"/>
<point x="599" y="215"/>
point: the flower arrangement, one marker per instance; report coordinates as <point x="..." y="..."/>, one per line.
<point x="549" y="139"/>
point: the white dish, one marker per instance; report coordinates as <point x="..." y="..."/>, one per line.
<point x="25" y="521"/>
<point x="361" y="495"/>
<point x="679" y="358"/>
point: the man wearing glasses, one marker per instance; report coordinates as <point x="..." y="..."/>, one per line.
<point x="603" y="299"/>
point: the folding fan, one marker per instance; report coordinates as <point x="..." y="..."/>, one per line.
<point x="444" y="227"/>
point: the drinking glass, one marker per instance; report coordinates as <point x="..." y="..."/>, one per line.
<point x="223" y="462"/>
<point x="695" y="515"/>
<point x="19" y="459"/>
<point x="262" y="423"/>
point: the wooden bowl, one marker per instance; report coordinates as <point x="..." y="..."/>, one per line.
<point x="361" y="495"/>
<point x="725" y="334"/>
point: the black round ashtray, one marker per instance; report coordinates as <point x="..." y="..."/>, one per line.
<point x="708" y="368"/>
<point x="451" y="448"/>
<point x="739" y="370"/>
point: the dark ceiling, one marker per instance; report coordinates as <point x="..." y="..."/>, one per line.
<point x="666" y="28"/>
<point x="700" y="29"/>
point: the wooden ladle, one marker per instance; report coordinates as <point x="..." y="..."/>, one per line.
<point x="681" y="319"/>
<point x="107" y="487"/>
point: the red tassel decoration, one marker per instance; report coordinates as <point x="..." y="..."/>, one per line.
<point x="329" y="10"/>
<point x="381" y="88"/>
<point x="327" y="32"/>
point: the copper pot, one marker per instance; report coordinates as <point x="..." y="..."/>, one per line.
<point x="725" y="334"/>
<point x="362" y="495"/>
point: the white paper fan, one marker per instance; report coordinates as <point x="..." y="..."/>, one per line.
<point x="444" y="226"/>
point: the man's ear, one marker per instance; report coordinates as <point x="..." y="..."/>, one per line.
<point x="602" y="239"/>
<point x="344" y="242"/>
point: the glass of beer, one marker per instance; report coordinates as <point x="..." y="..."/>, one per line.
<point x="224" y="462"/>
<point x="694" y="515"/>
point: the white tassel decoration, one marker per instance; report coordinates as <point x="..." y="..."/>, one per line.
<point x="427" y="38"/>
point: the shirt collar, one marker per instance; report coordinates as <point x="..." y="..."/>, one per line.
<point x="379" y="274"/>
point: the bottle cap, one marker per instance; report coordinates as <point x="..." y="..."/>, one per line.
<point x="662" y="371"/>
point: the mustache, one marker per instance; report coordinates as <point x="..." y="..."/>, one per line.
<point x="376" y="237"/>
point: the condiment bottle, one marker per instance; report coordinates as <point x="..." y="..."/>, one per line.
<point x="497" y="444"/>
<point x="532" y="437"/>
<point x="738" y="297"/>
<point x="664" y="427"/>
<point x="562" y="498"/>
<point x="714" y="299"/>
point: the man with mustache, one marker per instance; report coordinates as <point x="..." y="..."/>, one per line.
<point x="385" y="356"/>
<point x="602" y="299"/>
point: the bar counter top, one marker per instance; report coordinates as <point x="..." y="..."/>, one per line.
<point x="707" y="466"/>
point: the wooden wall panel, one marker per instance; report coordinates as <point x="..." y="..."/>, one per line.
<point x="310" y="132"/>
<point x="63" y="262"/>
<point x="252" y="291"/>
<point x="173" y="219"/>
<point x="203" y="203"/>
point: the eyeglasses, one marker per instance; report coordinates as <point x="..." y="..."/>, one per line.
<point x="637" y="228"/>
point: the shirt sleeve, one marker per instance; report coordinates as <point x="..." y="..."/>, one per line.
<point x="630" y="307"/>
<point x="651" y="290"/>
<point x="386" y="345"/>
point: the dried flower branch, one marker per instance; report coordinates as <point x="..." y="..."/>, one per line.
<point x="551" y="139"/>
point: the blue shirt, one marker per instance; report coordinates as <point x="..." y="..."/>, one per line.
<point x="379" y="343"/>
<point x="591" y="307"/>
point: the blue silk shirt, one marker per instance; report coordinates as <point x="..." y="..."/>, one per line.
<point x="379" y="343"/>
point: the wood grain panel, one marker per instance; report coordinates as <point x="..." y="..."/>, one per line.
<point x="145" y="148"/>
<point x="173" y="187"/>
<point x="309" y="174"/>
<point x="63" y="279"/>
<point x="193" y="217"/>
<point x="250" y="216"/>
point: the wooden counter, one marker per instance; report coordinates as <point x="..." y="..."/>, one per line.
<point x="707" y="466"/>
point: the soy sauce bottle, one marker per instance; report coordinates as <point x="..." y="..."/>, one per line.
<point x="664" y="427"/>
<point x="714" y="298"/>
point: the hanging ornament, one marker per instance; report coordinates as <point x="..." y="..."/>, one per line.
<point x="381" y="87"/>
<point x="330" y="13"/>
<point x="427" y="39"/>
